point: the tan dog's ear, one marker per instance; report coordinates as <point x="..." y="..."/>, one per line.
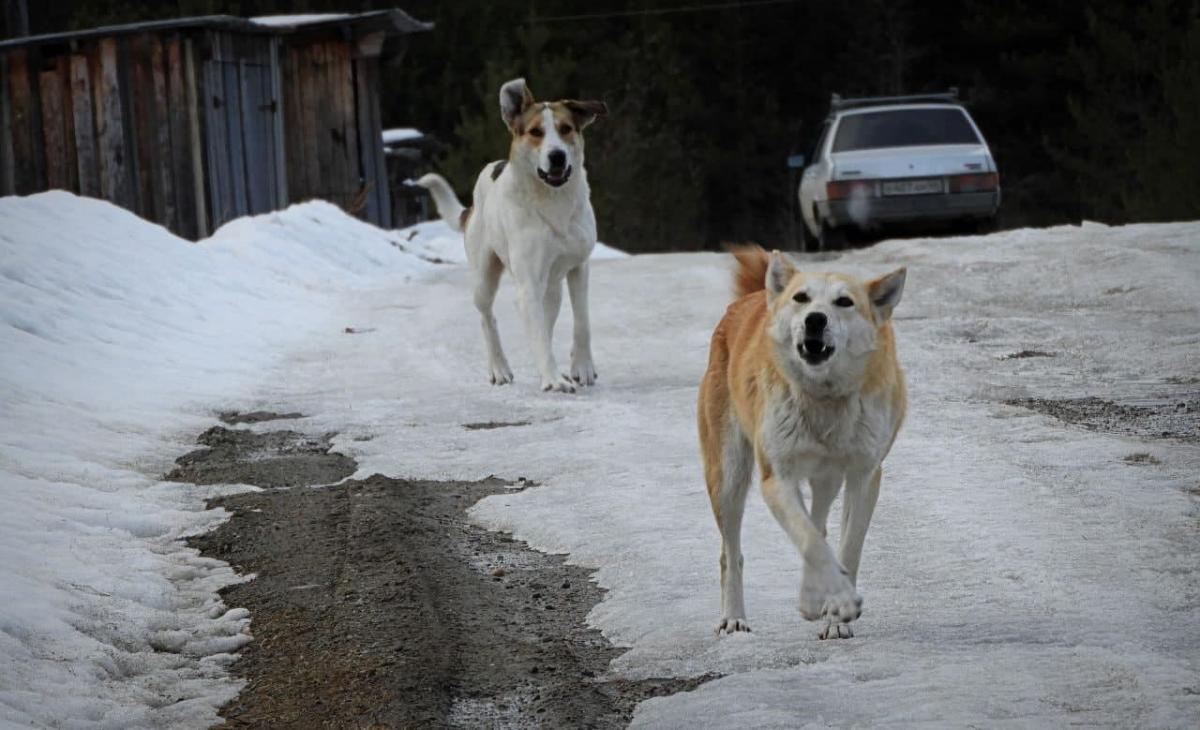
<point x="515" y="99"/>
<point x="885" y="293"/>
<point x="780" y="271"/>
<point x="585" y="112"/>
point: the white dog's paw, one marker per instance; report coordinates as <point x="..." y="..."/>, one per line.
<point x="501" y="374"/>
<point x="583" y="371"/>
<point x="829" y="594"/>
<point x="732" y="626"/>
<point x="562" y="384"/>
<point x="836" y="630"/>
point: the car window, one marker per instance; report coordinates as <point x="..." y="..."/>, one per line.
<point x="820" y="145"/>
<point x="904" y="128"/>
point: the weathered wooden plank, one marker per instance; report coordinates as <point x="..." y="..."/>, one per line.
<point x="183" y="194"/>
<point x="195" y="118"/>
<point x="375" y="148"/>
<point x="278" y="157"/>
<point x="362" y="118"/>
<point x="58" y="166"/>
<point x="24" y="122"/>
<point x="63" y="65"/>
<point x="142" y="123"/>
<point x="133" y="165"/>
<point x="347" y="131"/>
<point x="110" y="128"/>
<point x="257" y="172"/>
<point x="324" y="176"/>
<point x="86" y="158"/>
<point x="7" y="164"/>
<point x="220" y="192"/>
<point x="164" y="178"/>
<point x="294" y="127"/>
<point x="233" y="125"/>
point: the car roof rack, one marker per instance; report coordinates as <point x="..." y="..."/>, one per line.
<point x="837" y="103"/>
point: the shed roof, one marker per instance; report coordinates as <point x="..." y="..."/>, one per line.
<point x="392" y="22"/>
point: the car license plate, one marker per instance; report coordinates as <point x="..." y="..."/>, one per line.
<point x="913" y="187"/>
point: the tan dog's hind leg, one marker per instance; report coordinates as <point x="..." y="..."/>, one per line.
<point x="728" y="484"/>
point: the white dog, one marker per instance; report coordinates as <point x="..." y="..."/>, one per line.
<point x="532" y="216"/>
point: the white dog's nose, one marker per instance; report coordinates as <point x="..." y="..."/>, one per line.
<point x="557" y="159"/>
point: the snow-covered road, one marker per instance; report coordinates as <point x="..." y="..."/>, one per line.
<point x="1019" y="571"/>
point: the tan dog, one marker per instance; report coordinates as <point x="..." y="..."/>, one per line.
<point x="802" y="378"/>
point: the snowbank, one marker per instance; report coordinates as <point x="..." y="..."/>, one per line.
<point x="400" y="134"/>
<point x="118" y="340"/>
<point x="435" y="239"/>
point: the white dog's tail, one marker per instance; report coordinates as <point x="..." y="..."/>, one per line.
<point x="447" y="203"/>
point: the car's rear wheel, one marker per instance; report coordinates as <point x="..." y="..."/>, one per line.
<point x="833" y="238"/>
<point x="808" y="242"/>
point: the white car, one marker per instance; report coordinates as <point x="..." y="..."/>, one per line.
<point x="897" y="160"/>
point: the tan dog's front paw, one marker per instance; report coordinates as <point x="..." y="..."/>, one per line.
<point x="562" y="384"/>
<point x="732" y="626"/>
<point x="835" y="630"/>
<point x="501" y="374"/>
<point x="583" y="371"/>
<point x="829" y="594"/>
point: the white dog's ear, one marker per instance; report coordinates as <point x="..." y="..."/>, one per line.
<point x="885" y="293"/>
<point x="779" y="272"/>
<point x="585" y="112"/>
<point x="515" y="98"/>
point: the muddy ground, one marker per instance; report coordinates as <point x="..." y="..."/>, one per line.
<point x="1174" y="417"/>
<point x="376" y="604"/>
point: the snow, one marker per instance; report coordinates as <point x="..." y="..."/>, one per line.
<point x="436" y="240"/>
<point x="1019" y="571"/>
<point x="275" y="21"/>
<point x="401" y="134"/>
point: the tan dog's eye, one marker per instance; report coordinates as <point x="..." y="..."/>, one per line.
<point x="536" y="132"/>
<point x="565" y="129"/>
<point x="801" y="297"/>
<point x="844" y="302"/>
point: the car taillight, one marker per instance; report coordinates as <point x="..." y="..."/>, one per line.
<point x="842" y="189"/>
<point x="974" y="183"/>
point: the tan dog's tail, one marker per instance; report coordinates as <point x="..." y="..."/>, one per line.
<point x="751" y="273"/>
<point x="447" y="203"/>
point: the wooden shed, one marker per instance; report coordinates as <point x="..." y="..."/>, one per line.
<point x="196" y="121"/>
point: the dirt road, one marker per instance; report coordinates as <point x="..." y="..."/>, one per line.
<point x="376" y="603"/>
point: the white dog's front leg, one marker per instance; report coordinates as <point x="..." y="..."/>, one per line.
<point x="583" y="371"/>
<point x="829" y="593"/>
<point x="531" y="297"/>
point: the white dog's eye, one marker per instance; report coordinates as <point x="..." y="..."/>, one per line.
<point x="536" y="132"/>
<point x="844" y="302"/>
<point x="801" y="297"/>
<point x="564" y="130"/>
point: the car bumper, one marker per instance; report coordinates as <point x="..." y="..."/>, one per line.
<point x="868" y="212"/>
